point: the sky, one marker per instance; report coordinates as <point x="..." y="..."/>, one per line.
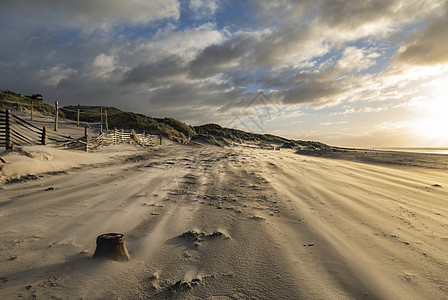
<point x="371" y="73"/>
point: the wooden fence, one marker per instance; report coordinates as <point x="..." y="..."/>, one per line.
<point x="15" y="131"/>
<point x="4" y="132"/>
<point x="114" y="137"/>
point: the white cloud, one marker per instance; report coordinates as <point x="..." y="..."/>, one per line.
<point x="355" y="59"/>
<point x="393" y="125"/>
<point x="182" y="43"/>
<point x="344" y="112"/>
<point x="333" y="123"/>
<point x="352" y="110"/>
<point x="204" y="9"/>
<point x="103" y="65"/>
<point x="313" y="28"/>
<point x="53" y="75"/>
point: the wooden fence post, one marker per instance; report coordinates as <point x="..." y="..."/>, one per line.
<point x="8" y="145"/>
<point x="101" y="117"/>
<point x="56" y="107"/>
<point x="115" y="136"/>
<point x="86" y="136"/>
<point x="44" y="136"/>
<point x="105" y="115"/>
<point x="79" y="108"/>
<point x="32" y="109"/>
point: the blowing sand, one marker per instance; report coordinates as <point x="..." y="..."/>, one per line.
<point x="220" y="223"/>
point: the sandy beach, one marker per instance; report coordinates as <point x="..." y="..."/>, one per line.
<point x="224" y="150"/>
<point x="203" y="222"/>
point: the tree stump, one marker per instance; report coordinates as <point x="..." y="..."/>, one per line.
<point x="111" y="246"/>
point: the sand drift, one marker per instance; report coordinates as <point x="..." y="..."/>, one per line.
<point x="220" y="223"/>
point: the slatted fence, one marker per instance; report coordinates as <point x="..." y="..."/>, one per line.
<point x="114" y="137"/>
<point x="4" y="120"/>
<point x="15" y="131"/>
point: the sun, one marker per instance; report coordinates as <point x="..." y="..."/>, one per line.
<point x="433" y="125"/>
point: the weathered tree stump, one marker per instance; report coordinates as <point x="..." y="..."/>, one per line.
<point x="111" y="246"/>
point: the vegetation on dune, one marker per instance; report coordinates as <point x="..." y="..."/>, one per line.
<point x="170" y="128"/>
<point x="13" y="100"/>
<point x="88" y="113"/>
<point x="179" y="126"/>
<point x="238" y="135"/>
<point x="263" y="140"/>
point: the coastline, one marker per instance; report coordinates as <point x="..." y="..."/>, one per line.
<point x="426" y="150"/>
<point x="385" y="157"/>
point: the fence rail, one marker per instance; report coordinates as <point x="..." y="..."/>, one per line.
<point x="3" y="128"/>
<point x="114" y="137"/>
<point x="15" y="131"/>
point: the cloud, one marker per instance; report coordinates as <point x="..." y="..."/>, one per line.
<point x="91" y="14"/>
<point x="155" y="72"/>
<point x="354" y="13"/>
<point x="104" y="67"/>
<point x="305" y="30"/>
<point x="355" y="60"/>
<point x="344" y="112"/>
<point x="328" y="82"/>
<point x="218" y="57"/>
<point x="333" y="123"/>
<point x="352" y="110"/>
<point x="428" y="46"/>
<point x="316" y="92"/>
<point x="53" y="75"/>
<point x="203" y="9"/>
<point x="138" y="55"/>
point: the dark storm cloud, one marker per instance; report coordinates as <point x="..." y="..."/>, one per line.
<point x="317" y="88"/>
<point x="353" y="13"/>
<point x="430" y="46"/>
<point x="316" y="92"/>
<point x="39" y="36"/>
<point x="312" y="28"/>
<point x="342" y="14"/>
<point x="307" y="29"/>
<point x="218" y="57"/>
<point x="156" y="72"/>
<point x="90" y="14"/>
<point x="190" y="95"/>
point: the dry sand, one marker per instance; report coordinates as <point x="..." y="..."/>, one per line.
<point x="220" y="223"/>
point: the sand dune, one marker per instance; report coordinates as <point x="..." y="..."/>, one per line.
<point x="220" y="223"/>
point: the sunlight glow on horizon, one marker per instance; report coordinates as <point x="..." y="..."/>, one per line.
<point x="433" y="126"/>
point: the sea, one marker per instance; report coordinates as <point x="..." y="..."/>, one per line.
<point x="434" y="150"/>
